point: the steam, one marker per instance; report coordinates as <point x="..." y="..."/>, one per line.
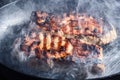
<point x="18" y="12"/>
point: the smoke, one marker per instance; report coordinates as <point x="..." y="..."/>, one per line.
<point x="13" y="14"/>
<point x="17" y="13"/>
<point x="109" y="11"/>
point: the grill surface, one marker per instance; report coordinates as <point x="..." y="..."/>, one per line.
<point x="21" y="11"/>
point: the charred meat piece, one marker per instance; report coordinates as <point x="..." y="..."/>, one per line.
<point x="58" y="37"/>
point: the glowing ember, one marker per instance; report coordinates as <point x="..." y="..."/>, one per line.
<point x="65" y="37"/>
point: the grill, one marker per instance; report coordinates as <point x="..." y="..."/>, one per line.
<point x="64" y="66"/>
